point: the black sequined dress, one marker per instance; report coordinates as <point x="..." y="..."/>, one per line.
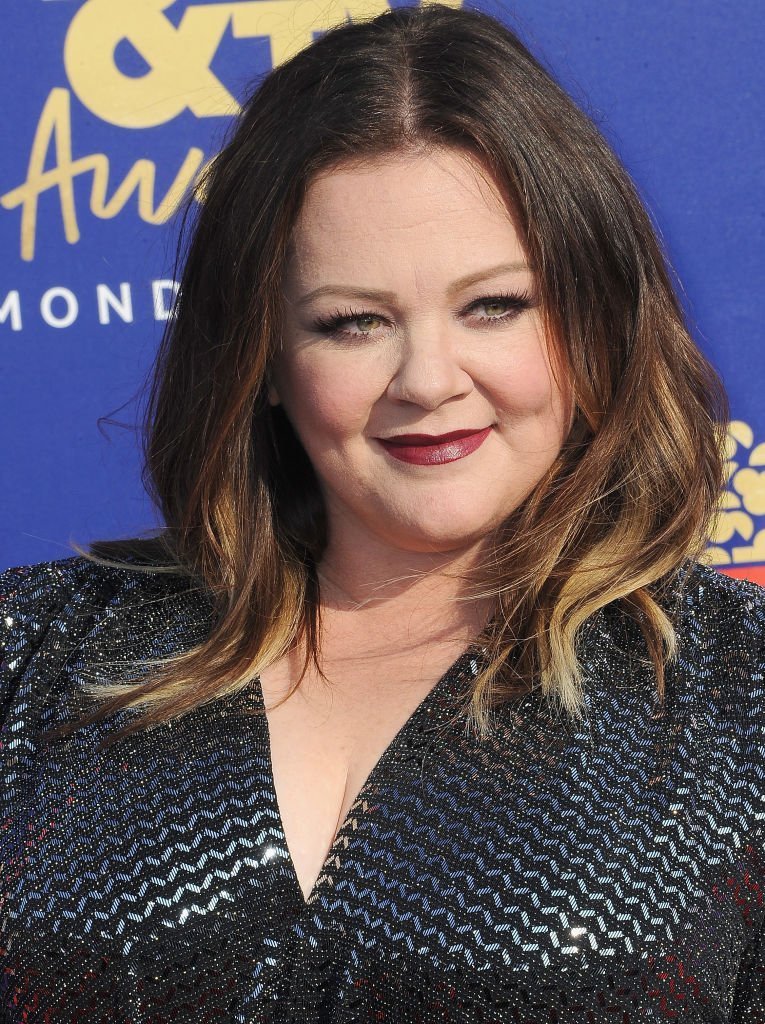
<point x="607" y="870"/>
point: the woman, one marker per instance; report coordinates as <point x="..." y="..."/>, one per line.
<point x="422" y="707"/>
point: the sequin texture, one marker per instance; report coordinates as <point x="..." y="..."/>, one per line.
<point x="605" y="870"/>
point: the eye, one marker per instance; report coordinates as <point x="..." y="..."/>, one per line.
<point x="332" y="324"/>
<point x="514" y="303"/>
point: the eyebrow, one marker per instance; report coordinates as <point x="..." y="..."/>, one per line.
<point x="385" y="296"/>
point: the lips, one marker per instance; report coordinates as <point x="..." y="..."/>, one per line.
<point x="425" y="439"/>
<point x="435" y="449"/>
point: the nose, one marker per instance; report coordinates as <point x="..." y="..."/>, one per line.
<point x="429" y="373"/>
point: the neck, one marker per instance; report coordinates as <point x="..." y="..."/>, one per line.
<point x="423" y="594"/>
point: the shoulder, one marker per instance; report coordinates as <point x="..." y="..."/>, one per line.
<point x="32" y="595"/>
<point x="49" y="609"/>
<point x="719" y="660"/>
<point x="718" y="675"/>
<point x="710" y="611"/>
<point x="720" y="612"/>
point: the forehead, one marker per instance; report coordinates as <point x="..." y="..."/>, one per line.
<point x="405" y="212"/>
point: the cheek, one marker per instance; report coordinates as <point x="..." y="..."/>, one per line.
<point x="523" y="385"/>
<point x="324" y="398"/>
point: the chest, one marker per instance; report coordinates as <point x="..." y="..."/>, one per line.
<point x="165" y="866"/>
<point x="324" y="742"/>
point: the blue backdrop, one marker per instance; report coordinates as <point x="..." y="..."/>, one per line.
<point x="111" y="109"/>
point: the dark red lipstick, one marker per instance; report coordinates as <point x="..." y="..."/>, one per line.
<point x="434" y="449"/>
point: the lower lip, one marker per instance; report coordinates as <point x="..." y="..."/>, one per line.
<point x="437" y="454"/>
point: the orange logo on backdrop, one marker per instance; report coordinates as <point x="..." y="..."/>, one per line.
<point x="737" y="545"/>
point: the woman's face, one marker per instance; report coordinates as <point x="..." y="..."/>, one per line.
<point x="451" y="341"/>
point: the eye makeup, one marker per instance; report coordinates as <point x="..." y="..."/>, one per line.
<point x="516" y="303"/>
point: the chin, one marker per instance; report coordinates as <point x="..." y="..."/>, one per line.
<point x="429" y="539"/>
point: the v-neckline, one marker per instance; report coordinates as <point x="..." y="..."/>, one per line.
<point x="464" y="663"/>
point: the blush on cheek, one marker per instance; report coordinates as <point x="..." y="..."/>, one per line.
<point x="532" y="400"/>
<point x="323" y="404"/>
<point x="535" y="386"/>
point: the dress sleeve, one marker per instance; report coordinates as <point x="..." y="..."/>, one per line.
<point x="749" y="993"/>
<point x="30" y="598"/>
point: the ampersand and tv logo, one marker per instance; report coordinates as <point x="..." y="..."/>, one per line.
<point x="134" y="88"/>
<point x="139" y="65"/>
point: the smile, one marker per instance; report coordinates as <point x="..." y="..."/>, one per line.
<point x="423" y="450"/>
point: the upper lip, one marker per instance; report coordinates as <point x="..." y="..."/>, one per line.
<point x="454" y="435"/>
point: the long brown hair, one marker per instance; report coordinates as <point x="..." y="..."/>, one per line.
<point x="629" y="499"/>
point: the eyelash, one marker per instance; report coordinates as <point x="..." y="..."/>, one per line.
<point x="518" y="302"/>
